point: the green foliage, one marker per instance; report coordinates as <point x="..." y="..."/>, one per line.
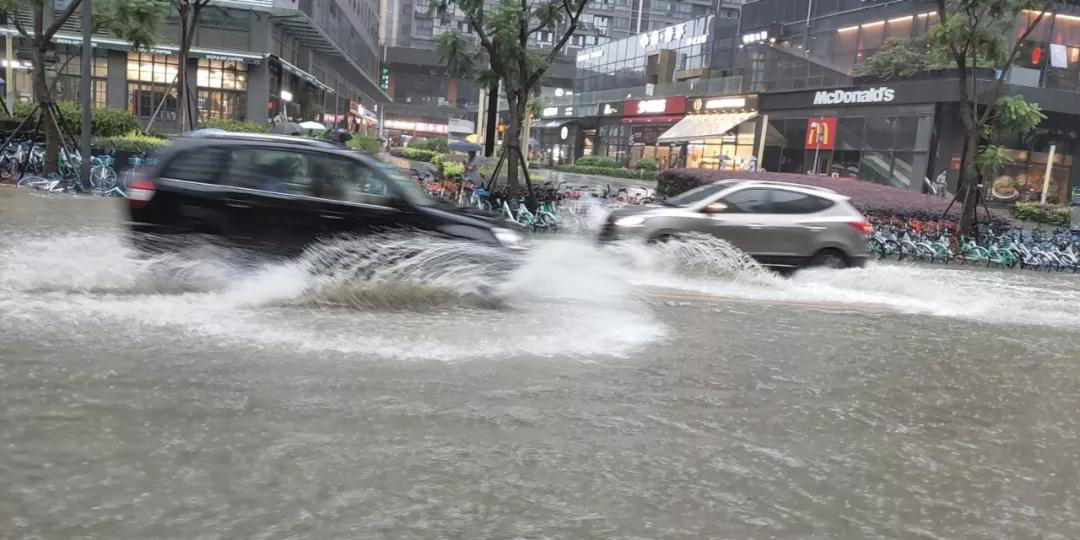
<point x="456" y="52"/>
<point x="990" y="159"/>
<point x="1015" y="114"/>
<point x="365" y="144"/>
<point x="235" y="125"/>
<point x="107" y="122"/>
<point x="104" y="122"/>
<point x="1041" y="213"/>
<point x="646" y="164"/>
<point x="137" y="21"/>
<point x="434" y="144"/>
<point x="415" y="154"/>
<point x="605" y="171"/>
<point x="454" y="171"/>
<point x="131" y="142"/>
<point x="596" y="161"/>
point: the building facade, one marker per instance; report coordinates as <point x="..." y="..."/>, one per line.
<point x="778" y="88"/>
<point x="251" y="60"/>
<point x="426" y="95"/>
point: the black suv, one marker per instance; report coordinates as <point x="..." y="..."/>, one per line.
<point x="282" y="193"/>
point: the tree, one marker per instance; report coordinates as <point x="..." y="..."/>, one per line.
<point x="972" y="33"/>
<point x="133" y="20"/>
<point x="188" y="12"/>
<point x="504" y="31"/>
<point x="971" y="40"/>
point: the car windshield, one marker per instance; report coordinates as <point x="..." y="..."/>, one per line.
<point x="408" y="189"/>
<point x="696" y="195"/>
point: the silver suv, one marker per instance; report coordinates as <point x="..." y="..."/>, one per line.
<point x="779" y="224"/>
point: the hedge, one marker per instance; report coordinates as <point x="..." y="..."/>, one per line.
<point x="364" y="143"/>
<point x="1042" y="213"/>
<point x="596" y="161"/>
<point x="868" y="197"/>
<point x="235" y="125"/>
<point x="604" y="171"/>
<point x="104" y="122"/>
<point x="647" y="164"/>
<point x="133" y="141"/>
<point x="414" y="154"/>
<point x="438" y="145"/>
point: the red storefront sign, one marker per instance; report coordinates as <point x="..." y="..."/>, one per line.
<point x="821" y="133"/>
<point x="655" y="106"/>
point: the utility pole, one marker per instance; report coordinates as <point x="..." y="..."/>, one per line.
<point x="85" y="89"/>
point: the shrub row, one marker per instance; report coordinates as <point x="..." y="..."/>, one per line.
<point x="434" y="144"/>
<point x="364" y="143"/>
<point x="235" y="125"/>
<point x="868" y="197"/>
<point x="133" y="141"/>
<point x="104" y="122"/>
<point x="605" y="171"/>
<point x="1042" y="213"/>
<point x="414" y="154"/>
<point x="596" y="161"/>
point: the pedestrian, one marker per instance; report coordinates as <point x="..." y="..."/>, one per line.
<point x="941" y="184"/>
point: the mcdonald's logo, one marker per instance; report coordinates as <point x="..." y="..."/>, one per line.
<point x="821" y="133"/>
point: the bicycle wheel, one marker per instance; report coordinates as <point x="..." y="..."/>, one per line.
<point x="8" y="168"/>
<point x="103" y="178"/>
<point x="32" y="180"/>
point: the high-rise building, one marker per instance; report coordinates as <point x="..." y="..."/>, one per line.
<point x="426" y="95"/>
<point x="252" y="60"/>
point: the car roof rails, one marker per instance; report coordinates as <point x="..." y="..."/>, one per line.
<point x="789" y="184"/>
<point x="212" y="133"/>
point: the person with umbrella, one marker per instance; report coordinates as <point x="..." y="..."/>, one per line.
<point x="472" y="165"/>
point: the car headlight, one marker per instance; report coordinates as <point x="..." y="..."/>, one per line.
<point x="629" y="221"/>
<point x="507" y="237"/>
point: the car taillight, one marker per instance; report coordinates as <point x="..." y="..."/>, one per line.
<point x="862" y="226"/>
<point x="140" y="191"/>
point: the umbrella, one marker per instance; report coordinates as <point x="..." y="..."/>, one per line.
<point x="311" y="124"/>
<point x="288" y="128"/>
<point x="462" y="146"/>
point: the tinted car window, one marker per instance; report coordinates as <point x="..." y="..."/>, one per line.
<point x="748" y="201"/>
<point x="270" y="169"/>
<point x="201" y="165"/>
<point x="790" y="202"/>
<point x="343" y="179"/>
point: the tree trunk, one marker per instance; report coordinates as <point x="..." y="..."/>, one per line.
<point x="968" y="184"/>
<point x="181" y="76"/>
<point x="45" y="104"/>
<point x="513" y="140"/>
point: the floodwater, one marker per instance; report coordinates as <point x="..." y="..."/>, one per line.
<point x="405" y="387"/>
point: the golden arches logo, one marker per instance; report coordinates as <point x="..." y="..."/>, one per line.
<point x="818" y="133"/>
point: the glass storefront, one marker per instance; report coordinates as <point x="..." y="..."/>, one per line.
<point x="889" y="149"/>
<point x="733" y="150"/>
<point x="222" y="88"/>
<point x="149" y="77"/>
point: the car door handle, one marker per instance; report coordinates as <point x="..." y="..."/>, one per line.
<point x="815" y="228"/>
<point x="332" y="215"/>
<point x="237" y="204"/>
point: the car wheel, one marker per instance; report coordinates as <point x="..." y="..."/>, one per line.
<point x="829" y="258"/>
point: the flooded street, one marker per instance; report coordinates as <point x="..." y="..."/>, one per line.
<point x="409" y="387"/>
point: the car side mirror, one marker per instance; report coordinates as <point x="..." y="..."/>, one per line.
<point x="715" y="208"/>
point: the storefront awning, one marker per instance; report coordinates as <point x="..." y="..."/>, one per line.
<point x="704" y="126"/>
<point x="301" y="74"/>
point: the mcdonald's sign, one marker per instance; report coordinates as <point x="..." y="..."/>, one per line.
<point x="821" y="133"/>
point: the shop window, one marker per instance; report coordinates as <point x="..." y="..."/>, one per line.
<point x="144" y="99"/>
<point x="849" y="134"/>
<point x="222" y="87"/>
<point x="907" y="129"/>
<point x="879" y="132"/>
<point x="904" y="174"/>
<point x="875" y="167"/>
<point x="149" y="77"/>
<point x="845" y="163"/>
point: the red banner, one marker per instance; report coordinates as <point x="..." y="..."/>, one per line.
<point x="821" y="133"/>
<point x="644" y="107"/>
